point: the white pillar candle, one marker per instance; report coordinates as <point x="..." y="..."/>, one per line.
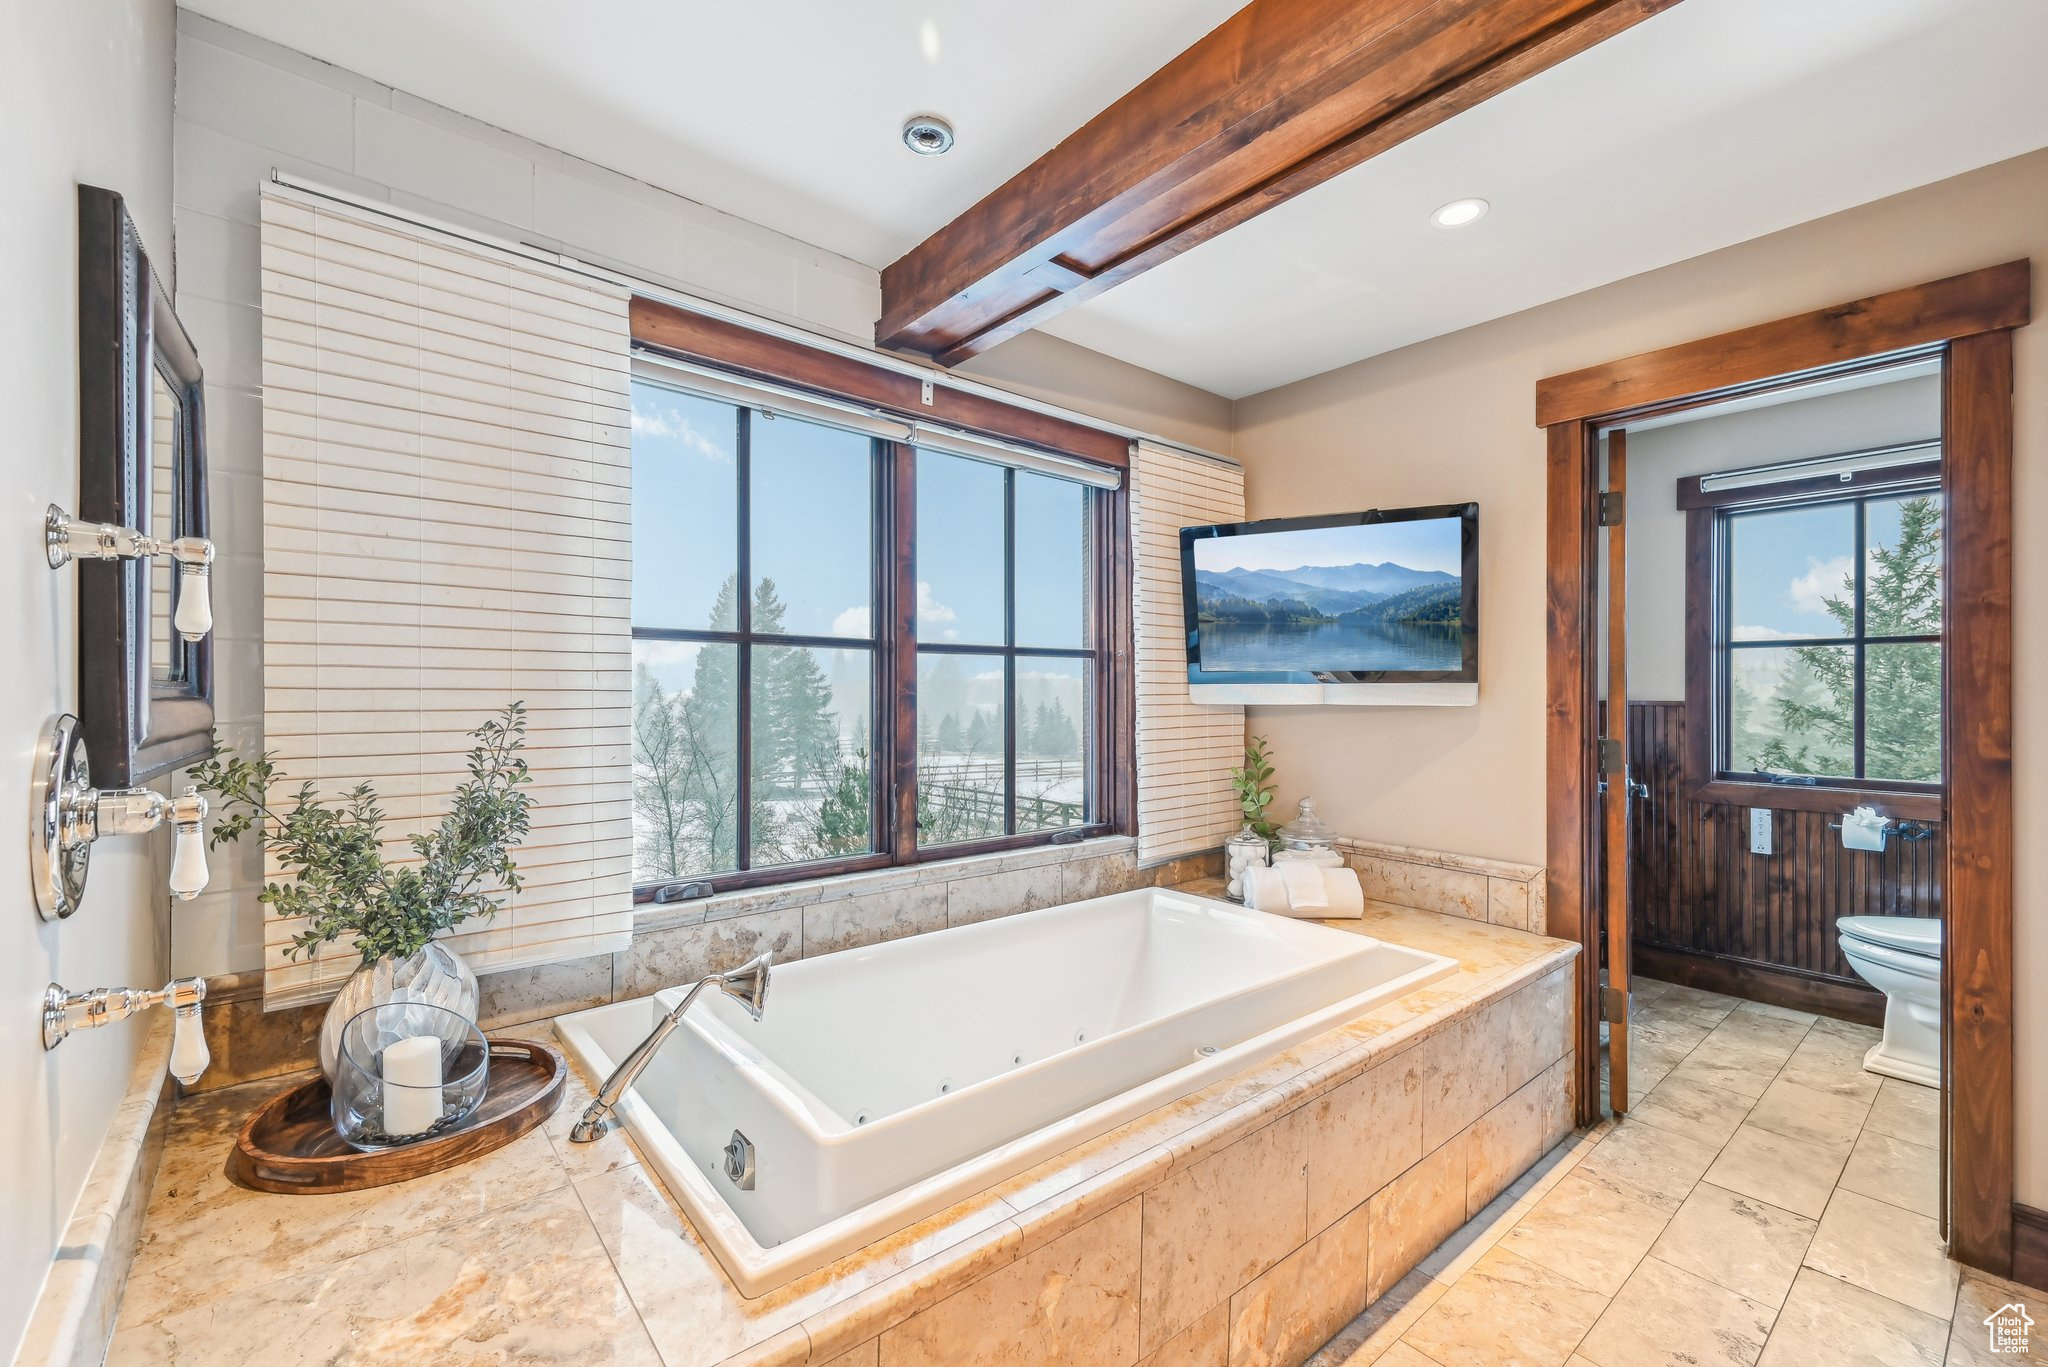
<point x="412" y="1085"/>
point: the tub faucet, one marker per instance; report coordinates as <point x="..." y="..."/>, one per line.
<point x="747" y="984"/>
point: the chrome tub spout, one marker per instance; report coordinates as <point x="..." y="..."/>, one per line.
<point x="747" y="984"/>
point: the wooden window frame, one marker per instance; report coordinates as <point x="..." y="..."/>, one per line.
<point x="1968" y="321"/>
<point x="663" y="330"/>
<point x="1708" y="650"/>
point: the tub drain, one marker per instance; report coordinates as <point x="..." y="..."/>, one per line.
<point x="1205" y="1051"/>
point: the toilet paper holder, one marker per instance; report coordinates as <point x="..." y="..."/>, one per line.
<point x="1872" y="819"/>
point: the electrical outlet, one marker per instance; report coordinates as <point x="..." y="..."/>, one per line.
<point x="1759" y="830"/>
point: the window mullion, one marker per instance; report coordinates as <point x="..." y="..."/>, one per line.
<point x="1010" y="702"/>
<point x="1859" y="722"/>
<point x="898" y="621"/>
<point x="743" y="819"/>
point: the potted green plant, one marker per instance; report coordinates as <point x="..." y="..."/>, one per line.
<point x="342" y="884"/>
<point x="1252" y="782"/>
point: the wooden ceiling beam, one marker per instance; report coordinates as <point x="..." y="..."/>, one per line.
<point x="1279" y="98"/>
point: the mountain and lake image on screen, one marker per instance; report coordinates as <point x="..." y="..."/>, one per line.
<point x="1362" y="598"/>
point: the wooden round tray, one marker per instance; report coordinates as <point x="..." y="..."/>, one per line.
<point x="289" y="1144"/>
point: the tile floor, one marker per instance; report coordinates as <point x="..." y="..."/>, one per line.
<point x="1765" y="1202"/>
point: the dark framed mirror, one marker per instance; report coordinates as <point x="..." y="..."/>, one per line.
<point x="145" y="694"/>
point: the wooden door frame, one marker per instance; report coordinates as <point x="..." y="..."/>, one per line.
<point x="1966" y="320"/>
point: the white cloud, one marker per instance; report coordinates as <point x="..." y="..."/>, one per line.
<point x="672" y="425"/>
<point x="1747" y="633"/>
<point x="852" y="622"/>
<point x="931" y="612"/>
<point x="1823" y="579"/>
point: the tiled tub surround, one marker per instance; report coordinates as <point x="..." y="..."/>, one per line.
<point x="884" y="1084"/>
<point x="1243" y="1224"/>
<point x="684" y="941"/>
<point x="1490" y="890"/>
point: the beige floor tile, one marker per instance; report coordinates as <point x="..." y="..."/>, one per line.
<point x="1401" y="1355"/>
<point x="1969" y="1342"/>
<point x="1506" y="1312"/>
<point x="1374" y="1334"/>
<point x="1692" y="1107"/>
<point x="1908" y="1111"/>
<point x="1788" y="1173"/>
<point x="1895" y="1171"/>
<point x="1803" y="1019"/>
<point x="1825" y="1321"/>
<point x="1588" y="1232"/>
<point x="1737" y="1241"/>
<point x="1650" y="1164"/>
<point x="1734" y="1064"/>
<point x="1885" y="1249"/>
<point x="1817" y="1117"/>
<point x="1830" y="1062"/>
<point x="1667" y="1317"/>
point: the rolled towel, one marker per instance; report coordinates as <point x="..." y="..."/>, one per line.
<point x="1346" y="895"/>
<point x="1266" y="890"/>
<point x="1304" y="886"/>
<point x="1263" y="891"/>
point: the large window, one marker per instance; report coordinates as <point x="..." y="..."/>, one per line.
<point x="822" y="683"/>
<point x="1828" y="629"/>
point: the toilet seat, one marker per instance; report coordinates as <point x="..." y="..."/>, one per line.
<point x="1898" y="960"/>
<point x="1918" y="935"/>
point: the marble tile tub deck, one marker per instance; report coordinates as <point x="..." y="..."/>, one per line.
<point x="1243" y="1224"/>
<point x="1766" y="1203"/>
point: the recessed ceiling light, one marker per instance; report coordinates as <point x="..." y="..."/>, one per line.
<point x="1459" y="212"/>
<point x="928" y="135"/>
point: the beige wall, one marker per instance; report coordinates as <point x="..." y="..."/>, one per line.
<point x="85" y="95"/>
<point x="1453" y="418"/>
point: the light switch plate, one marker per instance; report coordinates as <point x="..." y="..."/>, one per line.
<point x="1759" y="830"/>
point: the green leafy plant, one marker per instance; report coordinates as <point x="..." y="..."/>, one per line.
<point x="342" y="883"/>
<point x="1254" y="788"/>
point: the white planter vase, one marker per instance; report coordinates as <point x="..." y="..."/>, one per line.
<point x="436" y="976"/>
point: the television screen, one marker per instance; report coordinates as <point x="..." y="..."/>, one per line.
<point x="1382" y="597"/>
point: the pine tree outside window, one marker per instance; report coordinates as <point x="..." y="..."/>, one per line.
<point x="1829" y="627"/>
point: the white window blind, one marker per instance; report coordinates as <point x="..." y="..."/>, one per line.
<point x="447" y="527"/>
<point x="1185" y="749"/>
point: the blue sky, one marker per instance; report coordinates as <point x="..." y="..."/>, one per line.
<point x="1433" y="544"/>
<point x="1786" y="564"/>
<point x="812" y="521"/>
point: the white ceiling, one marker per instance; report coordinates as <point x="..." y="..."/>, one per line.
<point x="1715" y="122"/>
<point x="786" y="112"/>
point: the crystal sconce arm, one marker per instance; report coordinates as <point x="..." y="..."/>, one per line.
<point x="64" y="1012"/>
<point x="66" y="541"/>
<point x="67" y="814"/>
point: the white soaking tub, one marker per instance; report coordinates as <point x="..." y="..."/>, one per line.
<point x="883" y="1084"/>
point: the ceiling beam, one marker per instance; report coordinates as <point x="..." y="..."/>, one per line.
<point x="1277" y="99"/>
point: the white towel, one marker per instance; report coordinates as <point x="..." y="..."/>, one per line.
<point x="1304" y="885"/>
<point x="1344" y="897"/>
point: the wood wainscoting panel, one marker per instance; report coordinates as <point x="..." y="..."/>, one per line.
<point x="1698" y="891"/>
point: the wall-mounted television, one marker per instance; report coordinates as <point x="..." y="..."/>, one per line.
<point x="1379" y="607"/>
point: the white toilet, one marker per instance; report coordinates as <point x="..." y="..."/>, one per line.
<point x="1900" y="956"/>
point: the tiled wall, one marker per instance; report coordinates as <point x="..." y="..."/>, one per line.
<point x="1256" y="1254"/>
<point x="1489" y="890"/>
<point x="684" y="942"/>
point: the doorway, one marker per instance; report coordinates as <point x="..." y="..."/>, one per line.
<point x="1959" y="331"/>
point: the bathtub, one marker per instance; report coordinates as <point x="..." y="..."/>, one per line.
<point x="882" y="1085"/>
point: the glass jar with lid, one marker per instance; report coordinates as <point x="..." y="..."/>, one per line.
<point x="1242" y="853"/>
<point x="1306" y="838"/>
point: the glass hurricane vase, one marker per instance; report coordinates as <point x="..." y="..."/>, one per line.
<point x="435" y="976"/>
<point x="408" y="1072"/>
